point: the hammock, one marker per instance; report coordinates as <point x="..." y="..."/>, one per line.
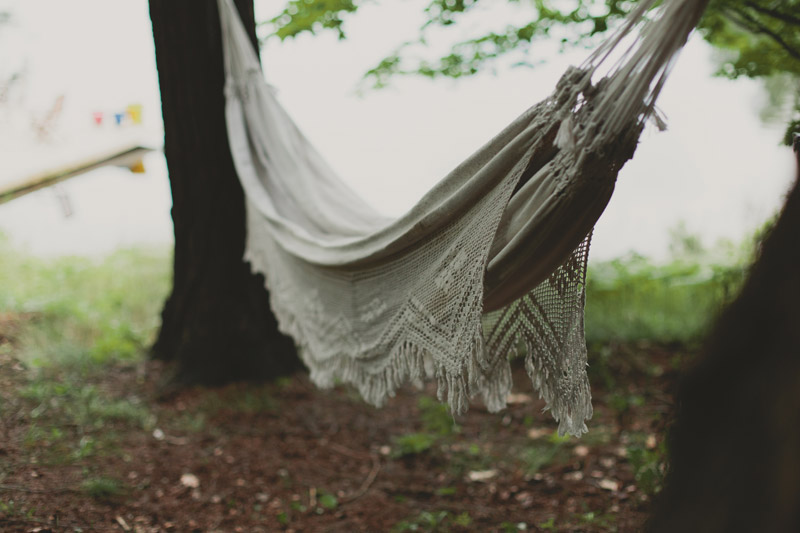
<point x="491" y="260"/>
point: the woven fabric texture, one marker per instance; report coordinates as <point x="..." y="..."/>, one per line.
<point x="490" y="262"/>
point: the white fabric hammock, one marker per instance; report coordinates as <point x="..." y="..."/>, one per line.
<point x="493" y="258"/>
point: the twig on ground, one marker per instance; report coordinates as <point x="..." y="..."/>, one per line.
<point x="18" y="488"/>
<point x="376" y="466"/>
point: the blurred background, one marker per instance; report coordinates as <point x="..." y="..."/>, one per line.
<point x="92" y="439"/>
<point x="70" y="73"/>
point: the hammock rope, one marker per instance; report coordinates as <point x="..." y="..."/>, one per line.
<point x="491" y="260"/>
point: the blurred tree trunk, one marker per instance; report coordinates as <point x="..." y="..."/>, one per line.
<point x="734" y="449"/>
<point x="217" y="324"/>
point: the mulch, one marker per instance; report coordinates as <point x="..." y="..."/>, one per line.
<point x="289" y="457"/>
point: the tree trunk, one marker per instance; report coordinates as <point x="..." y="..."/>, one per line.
<point x="734" y="449"/>
<point x="217" y="324"/>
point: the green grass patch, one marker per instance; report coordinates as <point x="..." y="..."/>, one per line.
<point x="434" y="521"/>
<point x="634" y="298"/>
<point x="648" y="464"/>
<point x="83" y="405"/>
<point x="413" y="444"/>
<point x="543" y="452"/>
<point x="80" y="312"/>
<point x="327" y="500"/>
<point x="436" y="417"/>
<point x="103" y="488"/>
<point x="72" y="422"/>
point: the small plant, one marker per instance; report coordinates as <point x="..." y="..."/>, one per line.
<point x="327" y="500"/>
<point x="102" y="488"/>
<point x="542" y="454"/>
<point x="412" y="444"/>
<point x="446" y="491"/>
<point x="88" y="313"/>
<point x="648" y="467"/>
<point x="436" y="417"/>
<point x="549" y="524"/>
<point x="633" y="298"/>
<point x="605" y="521"/>
<point x="434" y="522"/>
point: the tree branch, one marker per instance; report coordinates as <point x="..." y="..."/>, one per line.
<point x="777" y="15"/>
<point x="751" y="24"/>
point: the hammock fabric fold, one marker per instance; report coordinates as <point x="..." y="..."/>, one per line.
<point x="492" y="260"/>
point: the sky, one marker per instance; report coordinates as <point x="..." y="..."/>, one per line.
<point x="717" y="169"/>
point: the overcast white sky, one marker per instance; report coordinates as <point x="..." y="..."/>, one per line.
<point x="717" y="168"/>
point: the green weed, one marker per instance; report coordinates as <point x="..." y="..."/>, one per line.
<point x="83" y="405"/>
<point x="549" y="524"/>
<point x="649" y="466"/>
<point x="327" y="500"/>
<point x="10" y="509"/>
<point x="446" y="491"/>
<point x="634" y="298"/>
<point x="543" y="452"/>
<point x="463" y="460"/>
<point x="605" y="521"/>
<point x="80" y="312"/>
<point x="73" y="422"/>
<point x="412" y="444"/>
<point x="433" y="521"/>
<point x="511" y="527"/>
<point x="436" y="417"/>
<point x="102" y="488"/>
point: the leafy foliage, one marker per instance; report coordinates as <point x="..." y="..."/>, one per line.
<point x="434" y="521"/>
<point x="760" y="38"/>
<point x="102" y="488"/>
<point x="301" y="16"/>
<point x="413" y="444"/>
<point x="633" y="298"/>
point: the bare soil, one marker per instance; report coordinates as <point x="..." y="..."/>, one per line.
<point x="289" y="457"/>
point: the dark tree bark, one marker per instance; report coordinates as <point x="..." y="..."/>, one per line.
<point x="734" y="449"/>
<point x="217" y="324"/>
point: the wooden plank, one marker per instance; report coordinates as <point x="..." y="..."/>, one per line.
<point x="123" y="157"/>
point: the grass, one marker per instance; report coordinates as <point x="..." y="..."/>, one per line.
<point x="438" y="425"/>
<point x="434" y="521"/>
<point x="413" y="444"/>
<point x="79" y="312"/>
<point x="633" y="298"/>
<point x="76" y="317"/>
<point x="543" y="452"/>
<point x="103" y="488"/>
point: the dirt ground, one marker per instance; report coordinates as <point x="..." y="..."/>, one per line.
<point x="113" y="452"/>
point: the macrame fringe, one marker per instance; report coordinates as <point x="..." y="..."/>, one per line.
<point x="592" y="118"/>
<point x="409" y="362"/>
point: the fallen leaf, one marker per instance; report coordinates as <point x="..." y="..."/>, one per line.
<point x="609" y="484"/>
<point x="190" y="480"/>
<point x="608" y="462"/>
<point x="518" y="398"/>
<point x="581" y="450"/>
<point x="122" y="523"/>
<point x="538" y="433"/>
<point x="481" y="475"/>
